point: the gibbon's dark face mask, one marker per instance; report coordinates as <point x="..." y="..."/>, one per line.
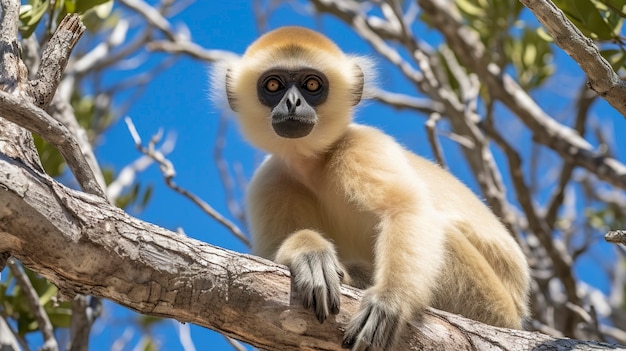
<point x="293" y="96"/>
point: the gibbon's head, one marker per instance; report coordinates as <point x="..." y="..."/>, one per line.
<point x="294" y="90"/>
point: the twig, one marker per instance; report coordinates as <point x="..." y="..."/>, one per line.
<point x="602" y="78"/>
<point x="50" y="342"/>
<point x="192" y="49"/>
<point x="167" y="168"/>
<point x="431" y="131"/>
<point x="13" y="72"/>
<point x="402" y="101"/>
<point x="184" y="336"/>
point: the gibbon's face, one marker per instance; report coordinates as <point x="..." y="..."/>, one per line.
<point x="293" y="96"/>
<point x="293" y="91"/>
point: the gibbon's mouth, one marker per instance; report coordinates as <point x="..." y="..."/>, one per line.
<point x="292" y="126"/>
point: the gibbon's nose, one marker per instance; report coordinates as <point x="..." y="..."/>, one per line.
<point x="292" y="101"/>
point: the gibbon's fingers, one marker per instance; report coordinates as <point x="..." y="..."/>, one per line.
<point x="317" y="280"/>
<point x="375" y="327"/>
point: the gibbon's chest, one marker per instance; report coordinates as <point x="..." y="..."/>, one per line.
<point x="351" y="229"/>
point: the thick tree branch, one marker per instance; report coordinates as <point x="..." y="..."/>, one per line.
<point x="84" y="245"/>
<point x="27" y="115"/>
<point x="602" y="78"/>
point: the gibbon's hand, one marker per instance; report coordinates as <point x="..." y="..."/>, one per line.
<point x="376" y="326"/>
<point x="317" y="277"/>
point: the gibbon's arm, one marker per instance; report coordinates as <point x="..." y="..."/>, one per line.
<point x="372" y="171"/>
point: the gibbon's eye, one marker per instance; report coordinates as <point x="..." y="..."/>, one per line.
<point x="273" y="85"/>
<point x="312" y="84"/>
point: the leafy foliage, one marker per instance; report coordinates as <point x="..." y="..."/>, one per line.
<point x="32" y="13"/>
<point x="511" y="40"/>
<point x="13" y="303"/>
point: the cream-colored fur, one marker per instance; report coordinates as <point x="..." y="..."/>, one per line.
<point x="348" y="203"/>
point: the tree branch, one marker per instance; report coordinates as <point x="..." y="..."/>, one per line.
<point x="29" y="116"/>
<point x="602" y="78"/>
<point x="91" y="247"/>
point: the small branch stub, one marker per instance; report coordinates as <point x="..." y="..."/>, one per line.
<point x="54" y="60"/>
<point x="616" y="236"/>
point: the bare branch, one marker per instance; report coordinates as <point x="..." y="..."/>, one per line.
<point x="431" y="130"/>
<point x="192" y="49"/>
<point x="153" y="17"/>
<point x="167" y="168"/>
<point x="602" y="78"/>
<point x="50" y="342"/>
<point x="402" y="101"/>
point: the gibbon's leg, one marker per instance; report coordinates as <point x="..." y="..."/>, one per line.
<point x="468" y="277"/>
<point x="279" y="208"/>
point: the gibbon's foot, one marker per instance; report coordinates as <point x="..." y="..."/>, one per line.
<point x="375" y="327"/>
<point x="317" y="278"/>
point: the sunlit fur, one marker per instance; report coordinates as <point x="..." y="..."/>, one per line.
<point x="350" y="202"/>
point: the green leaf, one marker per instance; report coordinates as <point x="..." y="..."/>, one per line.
<point x="83" y="6"/>
<point x="30" y="15"/>
<point x="469" y="8"/>
<point x="588" y="17"/>
<point x="617" y="58"/>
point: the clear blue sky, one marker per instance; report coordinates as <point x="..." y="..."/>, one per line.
<point x="177" y="101"/>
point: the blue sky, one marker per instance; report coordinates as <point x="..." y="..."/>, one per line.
<point x="177" y="101"/>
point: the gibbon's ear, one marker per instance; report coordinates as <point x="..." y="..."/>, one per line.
<point x="364" y="78"/>
<point x="229" y="91"/>
<point x="359" y="84"/>
<point x="221" y="87"/>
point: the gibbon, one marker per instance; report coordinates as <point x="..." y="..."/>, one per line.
<point x="341" y="202"/>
